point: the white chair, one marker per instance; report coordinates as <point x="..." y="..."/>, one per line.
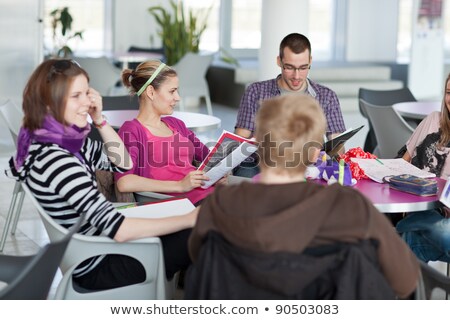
<point x="391" y="130"/>
<point x="191" y="70"/>
<point x="12" y="116"/>
<point x="147" y="251"/>
<point x="103" y="74"/>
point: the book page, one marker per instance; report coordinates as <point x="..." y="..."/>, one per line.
<point x="229" y="151"/>
<point x="232" y="160"/>
<point x="161" y="209"/>
<point x="377" y="169"/>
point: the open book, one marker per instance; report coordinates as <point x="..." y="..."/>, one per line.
<point x="228" y="152"/>
<point x="159" y="209"/>
<point x="331" y="147"/>
<point x="377" y="169"/>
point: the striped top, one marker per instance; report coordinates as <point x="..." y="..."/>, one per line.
<point x="66" y="187"/>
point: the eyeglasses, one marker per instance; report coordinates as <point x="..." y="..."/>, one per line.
<point x="291" y="68"/>
<point x="60" y="66"/>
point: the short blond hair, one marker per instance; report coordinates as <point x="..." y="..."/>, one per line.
<point x="288" y="128"/>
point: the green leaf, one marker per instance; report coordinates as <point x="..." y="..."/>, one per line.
<point x="62" y="21"/>
<point x="180" y="33"/>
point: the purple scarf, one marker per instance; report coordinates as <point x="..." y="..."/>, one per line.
<point x="70" y="138"/>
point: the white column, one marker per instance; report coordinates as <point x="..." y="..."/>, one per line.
<point x="279" y="18"/>
<point x="426" y="68"/>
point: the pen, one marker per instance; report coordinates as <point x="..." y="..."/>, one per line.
<point x="379" y="161"/>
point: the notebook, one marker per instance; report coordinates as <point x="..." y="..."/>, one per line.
<point x="160" y="209"/>
<point x="377" y="169"/>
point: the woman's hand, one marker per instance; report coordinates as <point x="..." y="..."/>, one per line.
<point x="223" y="180"/>
<point x="192" y="180"/>
<point x="96" y="106"/>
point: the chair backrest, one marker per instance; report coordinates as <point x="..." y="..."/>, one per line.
<point x="103" y="74"/>
<point x="35" y="277"/>
<point x="391" y="130"/>
<point x="126" y="102"/>
<point x="336" y="271"/>
<point x="385" y="97"/>
<point x="431" y="279"/>
<point x="147" y="251"/>
<point x="12" y="116"/>
<point x="191" y="70"/>
<point x="142" y="49"/>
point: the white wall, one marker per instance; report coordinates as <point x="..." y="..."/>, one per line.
<point x="133" y="24"/>
<point x="372" y="30"/>
<point x="20" y="45"/>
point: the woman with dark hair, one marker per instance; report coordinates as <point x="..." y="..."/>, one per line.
<point x="57" y="161"/>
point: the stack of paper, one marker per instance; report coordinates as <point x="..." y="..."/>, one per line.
<point x="377" y="169"/>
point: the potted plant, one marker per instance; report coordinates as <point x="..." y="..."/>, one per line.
<point x="62" y="22"/>
<point x="179" y="34"/>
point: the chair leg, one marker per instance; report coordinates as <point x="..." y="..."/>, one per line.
<point x="208" y="105"/>
<point x="9" y="217"/>
<point x="448" y="275"/>
<point x="21" y="196"/>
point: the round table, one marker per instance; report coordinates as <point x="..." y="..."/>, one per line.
<point x="385" y="199"/>
<point x="417" y="109"/>
<point x="388" y="200"/>
<point x="197" y="122"/>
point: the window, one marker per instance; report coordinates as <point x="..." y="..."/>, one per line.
<point x="404" y="30"/>
<point x="210" y="37"/>
<point x="320" y="28"/>
<point x="246" y="24"/>
<point x="88" y="16"/>
<point x="240" y="27"/>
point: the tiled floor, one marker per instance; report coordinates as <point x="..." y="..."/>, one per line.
<point x="30" y="234"/>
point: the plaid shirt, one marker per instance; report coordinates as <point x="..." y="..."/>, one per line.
<point x="262" y="90"/>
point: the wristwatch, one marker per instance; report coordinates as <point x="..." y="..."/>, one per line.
<point x="102" y="124"/>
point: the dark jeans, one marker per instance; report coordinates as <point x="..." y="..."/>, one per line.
<point x="118" y="270"/>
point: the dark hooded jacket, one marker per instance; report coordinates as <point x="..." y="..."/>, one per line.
<point x="289" y="218"/>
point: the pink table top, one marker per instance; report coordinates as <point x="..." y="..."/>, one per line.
<point x="417" y="109"/>
<point x="388" y="200"/>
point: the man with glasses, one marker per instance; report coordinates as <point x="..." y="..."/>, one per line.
<point x="295" y="61"/>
